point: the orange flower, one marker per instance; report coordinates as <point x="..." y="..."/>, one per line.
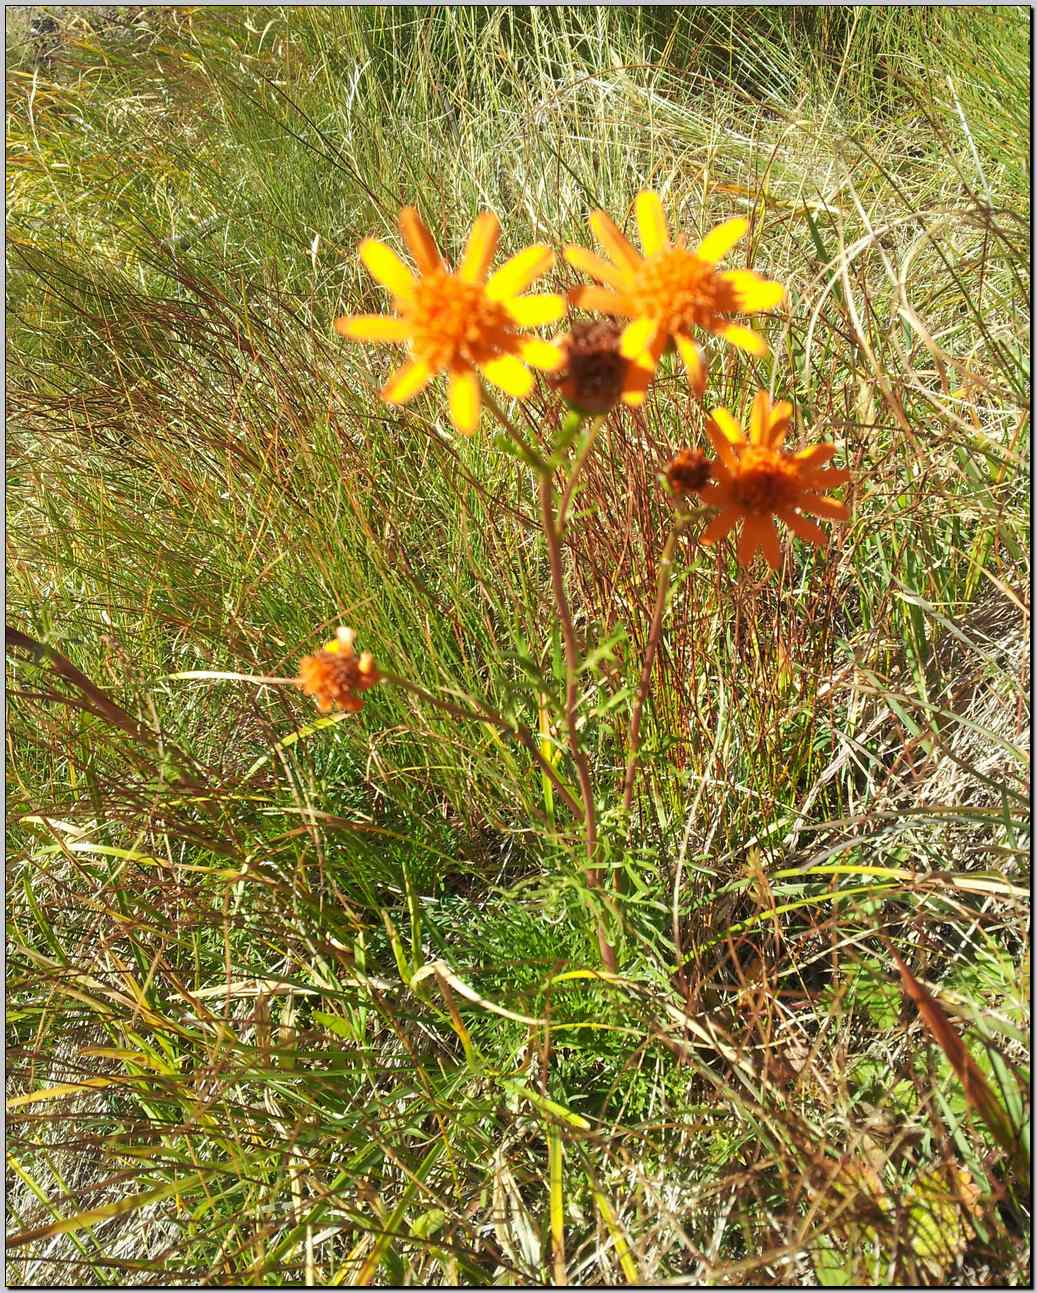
<point x="756" y="481"/>
<point x="334" y="675"/>
<point x="459" y="323"/>
<point x="669" y="290"/>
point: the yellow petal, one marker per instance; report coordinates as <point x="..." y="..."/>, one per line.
<point x="719" y="241"/>
<point x="722" y="445"/>
<point x="386" y="267"/>
<point x="816" y="456"/>
<point x="512" y="377"/>
<point x="635" y="386"/>
<point x="753" y="292"/>
<point x="720" y="525"/>
<point x="406" y="382"/>
<point x="640" y="372"/>
<point x="464" y="400"/>
<point x="600" y="299"/>
<point x="724" y="433"/>
<point x="779" y="429"/>
<point x="651" y="222"/>
<point x="343" y="641"/>
<point x="637" y="337"/>
<point x="482" y="243"/>
<point x="830" y="479"/>
<point x="586" y="261"/>
<point x="534" y="311"/>
<point x="830" y="508"/>
<point x="541" y="354"/>
<point x="744" y="338"/>
<point x="421" y="243"/>
<point x="616" y="246"/>
<point x="780" y="421"/>
<point x="373" y="327"/>
<point x="759" y="419"/>
<point x="516" y="274"/>
<point x="730" y="428"/>
<point x="693" y="362"/>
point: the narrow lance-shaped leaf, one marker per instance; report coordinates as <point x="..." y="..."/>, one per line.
<point x="977" y="1090"/>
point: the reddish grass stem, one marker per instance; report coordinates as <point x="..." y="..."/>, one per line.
<point x="651" y="650"/>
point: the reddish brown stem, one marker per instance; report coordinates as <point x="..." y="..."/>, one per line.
<point x="572" y="664"/>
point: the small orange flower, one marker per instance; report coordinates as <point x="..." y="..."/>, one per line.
<point x="334" y="675"/>
<point x="669" y="290"/>
<point x="757" y="481"/>
<point x="460" y="323"/>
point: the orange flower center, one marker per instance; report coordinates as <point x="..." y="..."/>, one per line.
<point x="679" y="290"/>
<point x="452" y="320"/>
<point x="766" y="480"/>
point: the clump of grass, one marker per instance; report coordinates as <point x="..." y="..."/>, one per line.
<point x="307" y="1001"/>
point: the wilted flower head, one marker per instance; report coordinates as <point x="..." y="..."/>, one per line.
<point x="756" y="482"/>
<point x="689" y="472"/>
<point x="594" y="374"/>
<point x="459" y="322"/>
<point x="335" y="675"/>
<point x="669" y="290"/>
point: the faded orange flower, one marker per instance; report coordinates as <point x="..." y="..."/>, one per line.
<point x="756" y="482"/>
<point x="335" y="675"/>
<point x="670" y="290"/>
<point x="459" y="322"/>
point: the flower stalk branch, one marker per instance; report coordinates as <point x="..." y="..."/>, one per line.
<point x="552" y="533"/>
<point x="587" y="444"/>
<point x="473" y="324"/>
<point x="524" y="450"/>
<point x="572" y="665"/>
<point x="519" y="731"/>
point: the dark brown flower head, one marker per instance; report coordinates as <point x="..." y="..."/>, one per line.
<point x="335" y="675"/>
<point x="689" y="472"/>
<point x="593" y="375"/>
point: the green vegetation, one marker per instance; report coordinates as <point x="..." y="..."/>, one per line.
<point x="295" y="1000"/>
